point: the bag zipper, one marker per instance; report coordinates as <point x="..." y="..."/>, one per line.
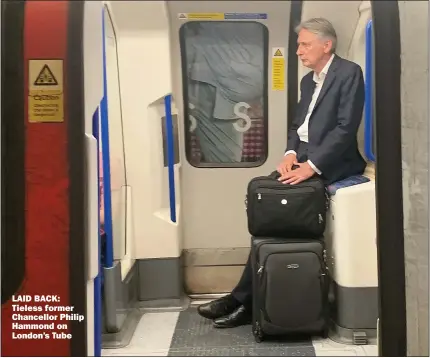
<point x="282" y="187"/>
<point x="272" y="180"/>
<point x="274" y="191"/>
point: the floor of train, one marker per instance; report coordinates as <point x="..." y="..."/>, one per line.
<point x="187" y="334"/>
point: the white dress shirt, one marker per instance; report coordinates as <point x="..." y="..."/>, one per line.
<point x="303" y="131"/>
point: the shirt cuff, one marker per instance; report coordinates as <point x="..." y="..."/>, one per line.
<point x="290" y="152"/>
<point x="316" y="170"/>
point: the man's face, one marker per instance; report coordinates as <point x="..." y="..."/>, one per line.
<point x="311" y="48"/>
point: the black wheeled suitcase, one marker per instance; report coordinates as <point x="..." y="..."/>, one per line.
<point x="282" y="210"/>
<point x="290" y="287"/>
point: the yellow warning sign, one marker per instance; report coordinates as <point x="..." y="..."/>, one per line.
<point x="45" y="77"/>
<point x="45" y="91"/>
<point x="205" y="16"/>
<point x="278" y="53"/>
<point x="278" y="69"/>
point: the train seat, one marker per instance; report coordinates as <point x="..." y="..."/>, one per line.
<point x="350" y="239"/>
<point x="344" y="183"/>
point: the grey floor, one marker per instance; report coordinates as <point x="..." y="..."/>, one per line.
<point x="195" y="336"/>
<point x="187" y="334"/>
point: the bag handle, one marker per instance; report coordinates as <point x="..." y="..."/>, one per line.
<point x="276" y="174"/>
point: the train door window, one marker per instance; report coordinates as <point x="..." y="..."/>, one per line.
<point x="225" y="80"/>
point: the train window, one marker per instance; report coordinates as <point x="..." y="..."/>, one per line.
<point x="225" y="83"/>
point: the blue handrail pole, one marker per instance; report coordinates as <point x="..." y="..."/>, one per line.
<point x="106" y="162"/>
<point x="368" y="105"/>
<point x="170" y="156"/>
<point x="97" y="280"/>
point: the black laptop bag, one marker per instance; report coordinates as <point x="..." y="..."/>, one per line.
<point x="282" y="210"/>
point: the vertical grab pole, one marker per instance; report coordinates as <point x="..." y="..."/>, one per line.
<point x="170" y="156"/>
<point x="106" y="160"/>
<point x="368" y="103"/>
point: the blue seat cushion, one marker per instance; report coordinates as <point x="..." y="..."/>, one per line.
<point x="344" y="183"/>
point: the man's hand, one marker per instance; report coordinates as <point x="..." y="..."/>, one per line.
<point x="298" y="175"/>
<point x="285" y="166"/>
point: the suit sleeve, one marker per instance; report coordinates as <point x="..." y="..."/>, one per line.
<point x="293" y="138"/>
<point x="348" y="121"/>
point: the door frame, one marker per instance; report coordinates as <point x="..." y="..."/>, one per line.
<point x="389" y="180"/>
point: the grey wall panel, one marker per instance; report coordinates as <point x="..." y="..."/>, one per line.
<point x="415" y="149"/>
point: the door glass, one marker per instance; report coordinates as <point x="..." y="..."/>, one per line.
<point x="225" y="96"/>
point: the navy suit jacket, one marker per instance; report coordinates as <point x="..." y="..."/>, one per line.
<point x="334" y="122"/>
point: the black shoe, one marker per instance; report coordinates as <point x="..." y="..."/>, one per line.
<point x="239" y="317"/>
<point x="218" y="308"/>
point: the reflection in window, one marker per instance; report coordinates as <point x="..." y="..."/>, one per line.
<point x="225" y="94"/>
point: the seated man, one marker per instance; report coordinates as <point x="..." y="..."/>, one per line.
<point x="322" y="140"/>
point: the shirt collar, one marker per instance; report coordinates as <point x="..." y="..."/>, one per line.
<point x="324" y="71"/>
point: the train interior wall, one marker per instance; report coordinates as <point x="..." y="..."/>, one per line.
<point x="216" y="244"/>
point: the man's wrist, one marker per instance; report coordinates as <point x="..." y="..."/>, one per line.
<point x="290" y="152"/>
<point x="314" y="168"/>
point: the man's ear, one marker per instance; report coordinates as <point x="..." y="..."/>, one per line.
<point x="328" y="46"/>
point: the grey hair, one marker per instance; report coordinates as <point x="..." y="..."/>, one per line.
<point x="321" y="27"/>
